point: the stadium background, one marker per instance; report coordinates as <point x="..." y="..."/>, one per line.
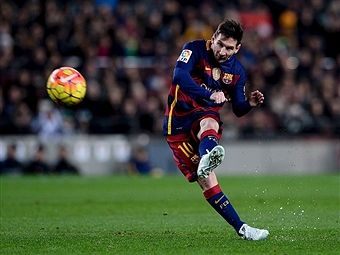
<point x="127" y="49"/>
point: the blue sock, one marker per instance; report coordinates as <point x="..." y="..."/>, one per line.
<point x="218" y="200"/>
<point x="207" y="143"/>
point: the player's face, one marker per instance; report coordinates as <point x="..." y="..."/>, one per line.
<point x="224" y="47"/>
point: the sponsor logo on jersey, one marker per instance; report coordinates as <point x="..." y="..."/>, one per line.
<point x="185" y="56"/>
<point x="203" y="85"/>
<point x="227" y="78"/>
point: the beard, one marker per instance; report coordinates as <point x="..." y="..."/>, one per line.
<point x="220" y="58"/>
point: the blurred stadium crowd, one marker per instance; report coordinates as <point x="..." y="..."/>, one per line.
<point x="127" y="49"/>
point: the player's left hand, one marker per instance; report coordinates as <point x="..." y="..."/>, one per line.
<point x="256" y="98"/>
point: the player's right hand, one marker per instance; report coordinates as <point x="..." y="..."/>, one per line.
<point x="218" y="97"/>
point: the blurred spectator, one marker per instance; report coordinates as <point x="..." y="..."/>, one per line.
<point x="38" y="165"/>
<point x="124" y="48"/>
<point x="140" y="162"/>
<point x="63" y="164"/>
<point x="11" y="165"/>
<point x="49" y="122"/>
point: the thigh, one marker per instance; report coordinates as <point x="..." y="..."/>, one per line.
<point x="186" y="156"/>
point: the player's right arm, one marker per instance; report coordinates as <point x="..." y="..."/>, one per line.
<point x="182" y="73"/>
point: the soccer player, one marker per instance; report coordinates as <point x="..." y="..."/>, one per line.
<point x="206" y="75"/>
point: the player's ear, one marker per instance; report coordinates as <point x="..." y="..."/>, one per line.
<point x="213" y="37"/>
<point x="238" y="46"/>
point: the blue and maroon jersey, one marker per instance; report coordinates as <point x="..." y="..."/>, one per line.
<point x="196" y="76"/>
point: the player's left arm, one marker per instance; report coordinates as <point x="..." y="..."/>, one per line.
<point x="240" y="103"/>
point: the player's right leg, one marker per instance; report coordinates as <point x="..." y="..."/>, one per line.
<point x="220" y="202"/>
<point x="253" y="234"/>
<point x="186" y="157"/>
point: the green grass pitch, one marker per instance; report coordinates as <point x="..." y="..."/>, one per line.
<point x="145" y="215"/>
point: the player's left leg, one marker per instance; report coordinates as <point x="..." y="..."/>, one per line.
<point x="210" y="161"/>
<point x="219" y="201"/>
<point x="210" y="152"/>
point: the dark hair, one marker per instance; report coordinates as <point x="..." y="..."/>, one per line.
<point x="230" y="28"/>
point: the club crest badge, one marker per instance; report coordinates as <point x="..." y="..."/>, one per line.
<point x="216" y="73"/>
<point x="227" y="78"/>
<point x="195" y="159"/>
<point x="185" y="56"/>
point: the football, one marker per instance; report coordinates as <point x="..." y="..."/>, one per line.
<point x="66" y="86"/>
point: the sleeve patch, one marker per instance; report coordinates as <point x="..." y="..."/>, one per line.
<point x="185" y="56"/>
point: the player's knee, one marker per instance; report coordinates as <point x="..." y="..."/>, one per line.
<point x="208" y="183"/>
<point x="209" y="123"/>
